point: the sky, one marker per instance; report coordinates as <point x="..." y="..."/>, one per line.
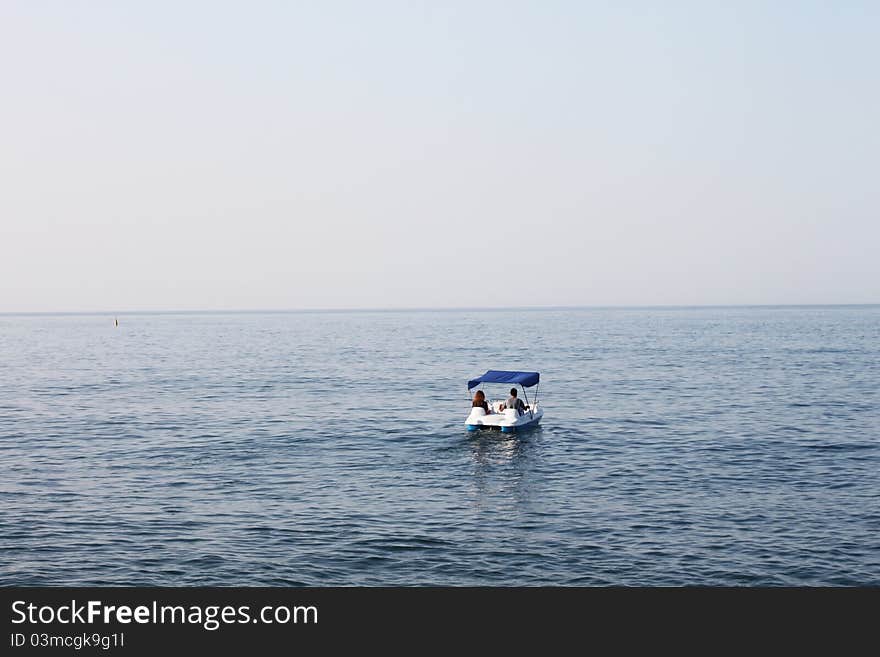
<point x="291" y="155"/>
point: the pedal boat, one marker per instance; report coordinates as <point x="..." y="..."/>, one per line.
<point x="507" y="420"/>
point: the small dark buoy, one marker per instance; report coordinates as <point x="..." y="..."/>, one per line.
<point x="116" y="321"/>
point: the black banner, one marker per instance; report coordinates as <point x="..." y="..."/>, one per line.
<point x="133" y="621"/>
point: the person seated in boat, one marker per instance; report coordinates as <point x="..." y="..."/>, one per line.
<point x="480" y="401"/>
<point x="515" y="402"/>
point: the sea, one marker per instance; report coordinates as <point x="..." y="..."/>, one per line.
<point x="710" y="446"/>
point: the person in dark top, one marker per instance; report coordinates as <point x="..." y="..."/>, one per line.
<point x="514" y="402"/>
<point x="480" y="401"/>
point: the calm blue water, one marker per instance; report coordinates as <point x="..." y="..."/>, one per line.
<point x="679" y="446"/>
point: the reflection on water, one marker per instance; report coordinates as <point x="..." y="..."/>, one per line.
<point x="494" y="447"/>
<point x="503" y="463"/>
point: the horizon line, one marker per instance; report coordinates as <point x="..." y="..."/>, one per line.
<point x="403" y="309"/>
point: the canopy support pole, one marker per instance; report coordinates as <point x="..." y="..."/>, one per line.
<point x="526" y="395"/>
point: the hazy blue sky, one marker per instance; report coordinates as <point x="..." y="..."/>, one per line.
<point x="201" y="155"/>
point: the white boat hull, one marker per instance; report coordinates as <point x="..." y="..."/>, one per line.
<point x="508" y="420"/>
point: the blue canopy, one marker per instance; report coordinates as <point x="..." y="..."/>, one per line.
<point x="525" y="379"/>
